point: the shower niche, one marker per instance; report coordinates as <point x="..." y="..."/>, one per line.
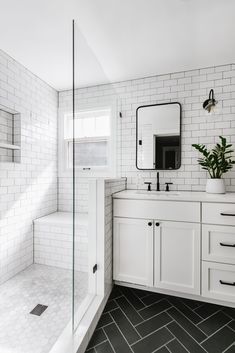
<point x="10" y="135"/>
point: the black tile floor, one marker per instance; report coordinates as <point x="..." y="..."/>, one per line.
<point x="136" y="321"/>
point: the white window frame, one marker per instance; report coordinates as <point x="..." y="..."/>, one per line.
<point x="110" y="170"/>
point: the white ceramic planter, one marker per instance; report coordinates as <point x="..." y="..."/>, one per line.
<point x="215" y="186"/>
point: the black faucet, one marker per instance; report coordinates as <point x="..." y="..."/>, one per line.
<point x="158" y="183"/>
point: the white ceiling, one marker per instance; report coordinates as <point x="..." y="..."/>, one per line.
<point x="116" y="39"/>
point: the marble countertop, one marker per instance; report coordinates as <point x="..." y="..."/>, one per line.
<point x="175" y="196"/>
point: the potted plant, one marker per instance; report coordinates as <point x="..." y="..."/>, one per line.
<point x="217" y="162"/>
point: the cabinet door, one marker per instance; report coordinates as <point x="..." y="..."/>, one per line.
<point x="133" y="251"/>
<point x="177" y="256"/>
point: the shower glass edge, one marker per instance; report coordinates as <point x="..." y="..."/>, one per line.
<point x="84" y="275"/>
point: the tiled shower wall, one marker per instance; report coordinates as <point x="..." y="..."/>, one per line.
<point x="65" y="194"/>
<point x="28" y="189"/>
<point x="190" y="88"/>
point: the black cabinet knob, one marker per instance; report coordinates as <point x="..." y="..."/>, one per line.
<point x="157" y="224"/>
<point x="150" y="224"/>
<point x="149" y="185"/>
<point x="167" y="186"/>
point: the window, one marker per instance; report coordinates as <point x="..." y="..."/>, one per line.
<point x="94" y="142"/>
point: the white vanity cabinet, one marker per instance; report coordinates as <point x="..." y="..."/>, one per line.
<point x="181" y="244"/>
<point x="157" y="251"/>
<point x="177" y="256"/>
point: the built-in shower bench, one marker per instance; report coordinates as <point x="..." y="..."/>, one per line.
<point x="53" y="240"/>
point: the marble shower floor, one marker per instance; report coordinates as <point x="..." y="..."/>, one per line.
<point x="22" y="332"/>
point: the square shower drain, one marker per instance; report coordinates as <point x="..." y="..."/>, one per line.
<point x="38" y="310"/>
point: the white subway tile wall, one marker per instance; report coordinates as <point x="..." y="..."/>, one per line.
<point x="28" y="190"/>
<point x="65" y="194"/>
<point x="190" y="88"/>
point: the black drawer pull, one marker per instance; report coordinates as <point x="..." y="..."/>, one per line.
<point x="150" y="224"/>
<point x="228" y="283"/>
<point x="227" y="214"/>
<point x="157" y="224"/>
<point x="228" y="245"/>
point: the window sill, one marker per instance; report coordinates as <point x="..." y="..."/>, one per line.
<point x="92" y="173"/>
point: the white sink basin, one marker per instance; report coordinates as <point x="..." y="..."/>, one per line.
<point x="160" y="193"/>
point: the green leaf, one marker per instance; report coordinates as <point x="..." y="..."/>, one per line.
<point x="217" y="161"/>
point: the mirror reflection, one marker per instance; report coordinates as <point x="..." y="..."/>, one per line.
<point x="158" y="137"/>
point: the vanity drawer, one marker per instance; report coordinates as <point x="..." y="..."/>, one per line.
<point x="218" y="281"/>
<point x="162" y="210"/>
<point x="218" y="243"/>
<point x="218" y="213"/>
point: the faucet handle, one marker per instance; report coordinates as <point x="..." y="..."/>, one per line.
<point x="167" y="186"/>
<point x="149" y="185"/>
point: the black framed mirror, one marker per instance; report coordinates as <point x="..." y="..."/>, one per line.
<point x="158" y="136"/>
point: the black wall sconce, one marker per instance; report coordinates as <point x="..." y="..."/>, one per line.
<point x="210" y="103"/>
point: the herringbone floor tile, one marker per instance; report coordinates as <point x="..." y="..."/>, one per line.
<point x="138" y="321"/>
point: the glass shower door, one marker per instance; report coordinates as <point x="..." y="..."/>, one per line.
<point x="84" y="202"/>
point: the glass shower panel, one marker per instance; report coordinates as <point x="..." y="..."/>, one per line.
<point x="92" y="153"/>
<point x="81" y="150"/>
